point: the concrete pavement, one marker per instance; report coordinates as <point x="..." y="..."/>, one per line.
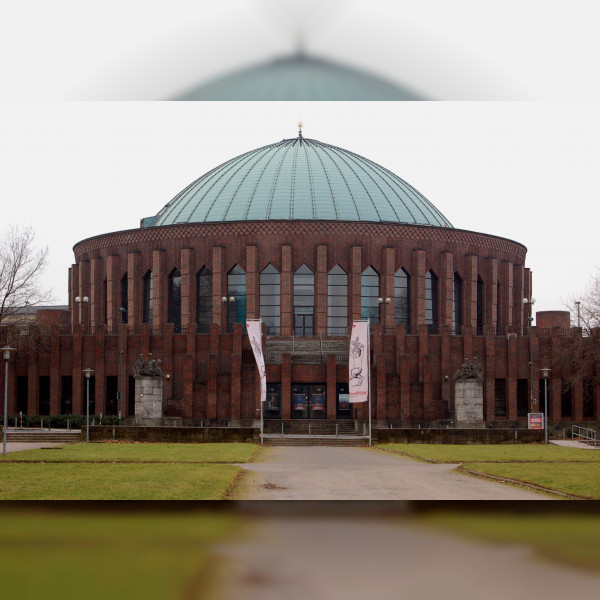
<point x="343" y="473"/>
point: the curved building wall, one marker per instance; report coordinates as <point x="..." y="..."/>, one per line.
<point x="102" y="262"/>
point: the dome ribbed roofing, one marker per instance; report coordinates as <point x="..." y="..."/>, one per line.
<point x="300" y="179"/>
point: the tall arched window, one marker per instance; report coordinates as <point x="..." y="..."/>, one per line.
<point x="203" y="300"/>
<point x="270" y="299"/>
<point x="457" y="305"/>
<point x="174" y="300"/>
<point x="304" y="301"/>
<point x="337" y="301"/>
<point x="105" y="301"/>
<point x="402" y="297"/>
<point x="147" y="284"/>
<point x="124" y="298"/>
<point x="431" y="301"/>
<point x="369" y="295"/>
<point x="236" y="291"/>
<point x="498" y="309"/>
<point x="480" y="299"/>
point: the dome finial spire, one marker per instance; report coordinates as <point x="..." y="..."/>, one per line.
<point x="299" y="129"/>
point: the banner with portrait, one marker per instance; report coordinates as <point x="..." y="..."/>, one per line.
<point x="255" y="337"/>
<point x="358" y="362"/>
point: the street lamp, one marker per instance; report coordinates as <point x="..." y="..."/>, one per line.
<point x="530" y="302"/>
<point x="6" y="355"/>
<point x="81" y="300"/>
<point x="88" y="372"/>
<point x="120" y="392"/>
<point x="545" y="374"/>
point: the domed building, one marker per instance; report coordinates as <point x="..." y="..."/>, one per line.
<point x="307" y="237"/>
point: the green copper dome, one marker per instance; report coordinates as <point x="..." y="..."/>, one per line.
<point x="299" y="179"/>
<point x="300" y="77"/>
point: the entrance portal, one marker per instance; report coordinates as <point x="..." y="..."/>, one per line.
<point x="309" y="401"/>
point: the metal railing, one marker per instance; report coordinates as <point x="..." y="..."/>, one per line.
<point x="584" y="435"/>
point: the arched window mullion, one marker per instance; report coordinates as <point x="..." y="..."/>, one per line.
<point x="402" y="298"/>
<point x="174" y="299"/>
<point x="337" y="302"/>
<point x="369" y="295"/>
<point x="304" y="301"/>
<point x="236" y="297"/>
<point x="270" y="299"/>
<point x="431" y="302"/>
<point x="204" y="300"/>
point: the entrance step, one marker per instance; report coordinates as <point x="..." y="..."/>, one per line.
<point x="306" y="427"/>
<point x="295" y="440"/>
<point x="39" y="436"/>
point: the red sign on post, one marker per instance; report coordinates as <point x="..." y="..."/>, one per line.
<point x="535" y="420"/>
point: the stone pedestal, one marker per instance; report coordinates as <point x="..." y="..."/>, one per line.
<point x="148" y="400"/>
<point x="468" y="400"/>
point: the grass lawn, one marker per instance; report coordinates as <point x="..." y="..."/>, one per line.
<point x="455" y="453"/>
<point x="135" y="452"/>
<point x="99" y="481"/>
<point x="570" y="470"/>
<point x="571" y="539"/>
<point x="579" y="479"/>
<point x="106" y="471"/>
<point x="99" y="556"/>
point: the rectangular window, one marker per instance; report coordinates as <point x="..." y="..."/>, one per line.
<point x="44" y="395"/>
<point x="66" y="395"/>
<point x="566" y="399"/>
<point x="542" y="392"/>
<point x="22" y="393"/>
<point x="112" y="387"/>
<point x="500" y="398"/>
<point x="131" y="397"/>
<point x="522" y="397"/>
<point x="588" y="399"/>
<point x="92" y="389"/>
<point x="124" y="298"/>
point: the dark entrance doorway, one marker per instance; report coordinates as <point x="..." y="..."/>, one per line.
<point x="304" y="324"/>
<point x="344" y="408"/>
<point x="273" y="404"/>
<point x="309" y="401"/>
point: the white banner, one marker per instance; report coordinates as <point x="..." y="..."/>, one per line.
<point x="358" y="362"/>
<point x="255" y="337"/>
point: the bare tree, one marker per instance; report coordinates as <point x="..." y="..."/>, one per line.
<point x="21" y="266"/>
<point x="580" y="355"/>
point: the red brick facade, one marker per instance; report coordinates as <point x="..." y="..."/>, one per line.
<point x="213" y="376"/>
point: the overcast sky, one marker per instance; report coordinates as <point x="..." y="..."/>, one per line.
<point x="525" y="171"/>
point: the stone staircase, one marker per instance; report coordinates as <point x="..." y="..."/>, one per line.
<point x="313" y="433"/>
<point x="54" y="436"/>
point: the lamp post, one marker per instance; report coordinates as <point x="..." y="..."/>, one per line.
<point x="87" y="372"/>
<point x="81" y="300"/>
<point x="530" y="302"/>
<point x="120" y="392"/>
<point x="6" y="355"/>
<point x="545" y="374"/>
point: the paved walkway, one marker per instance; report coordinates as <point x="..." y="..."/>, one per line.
<point x="574" y="444"/>
<point x="358" y="558"/>
<point x="343" y="473"/>
<point x="17" y="446"/>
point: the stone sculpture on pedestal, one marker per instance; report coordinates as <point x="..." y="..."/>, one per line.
<point x="148" y="391"/>
<point x="468" y="392"/>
